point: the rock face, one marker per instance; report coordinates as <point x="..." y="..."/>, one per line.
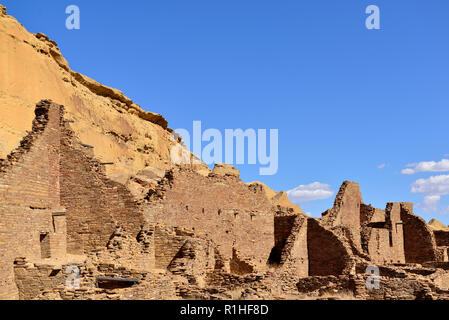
<point x="33" y="69"/>
<point x="90" y="188"/>
<point x="225" y="170"/>
<point x="437" y="225"/>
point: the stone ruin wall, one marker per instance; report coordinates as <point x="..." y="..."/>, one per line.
<point x="375" y="234"/>
<point x="382" y="234"/>
<point x="442" y="242"/>
<point x="289" y="256"/>
<point x="283" y="227"/>
<point x="419" y="241"/>
<point x="239" y="220"/>
<point x="67" y="205"/>
<point x="441" y="238"/>
<point x="328" y="254"/>
<point x="90" y="213"/>
<point x="70" y="198"/>
<point x="386" y="236"/>
<point x="55" y="199"/>
<point x="346" y="212"/>
<point x="95" y="205"/>
<point x="29" y="184"/>
<point x="396" y="252"/>
<point x="179" y="251"/>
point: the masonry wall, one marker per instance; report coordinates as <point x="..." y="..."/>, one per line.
<point x="382" y="233"/>
<point x="29" y="194"/>
<point x="373" y="231"/>
<point x="294" y="260"/>
<point x="32" y="279"/>
<point x="194" y="260"/>
<point x="441" y="237"/>
<point x="283" y="226"/>
<point x="58" y="238"/>
<point x="419" y="241"/>
<point x="221" y="208"/>
<point x="346" y="211"/>
<point x="395" y="233"/>
<point x="167" y="243"/>
<point x="55" y="198"/>
<point x="327" y="253"/>
<point x="94" y="204"/>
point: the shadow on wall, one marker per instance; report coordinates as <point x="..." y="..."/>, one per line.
<point x="327" y="254"/>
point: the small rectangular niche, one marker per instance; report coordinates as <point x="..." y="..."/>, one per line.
<point x="44" y="239"/>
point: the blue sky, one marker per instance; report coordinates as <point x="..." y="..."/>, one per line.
<point x="345" y="99"/>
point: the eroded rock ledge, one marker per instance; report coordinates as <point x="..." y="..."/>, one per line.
<point x="124" y="103"/>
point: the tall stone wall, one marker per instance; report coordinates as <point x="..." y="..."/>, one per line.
<point x="283" y="227"/>
<point x="382" y="234"/>
<point x="441" y="237"/>
<point x="419" y="241"/>
<point x="54" y="198"/>
<point x="346" y="211"/>
<point x="328" y="255"/>
<point x="291" y="241"/>
<point x="373" y="231"/>
<point x="395" y="233"/>
<point x="95" y="205"/>
<point x="220" y="207"/>
<point x="29" y="195"/>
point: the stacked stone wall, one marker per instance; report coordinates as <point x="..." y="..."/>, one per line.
<point x="220" y="208"/>
<point x="29" y="194"/>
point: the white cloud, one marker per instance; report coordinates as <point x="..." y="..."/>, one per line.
<point x="427" y="166"/>
<point x="383" y="165"/>
<point x="429" y="204"/>
<point x="408" y="171"/>
<point x="310" y="192"/>
<point x="435" y="185"/>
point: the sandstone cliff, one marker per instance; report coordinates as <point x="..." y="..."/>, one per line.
<point x="119" y="130"/>
<point x="33" y="68"/>
<point x="437" y="225"/>
<point x="183" y="233"/>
